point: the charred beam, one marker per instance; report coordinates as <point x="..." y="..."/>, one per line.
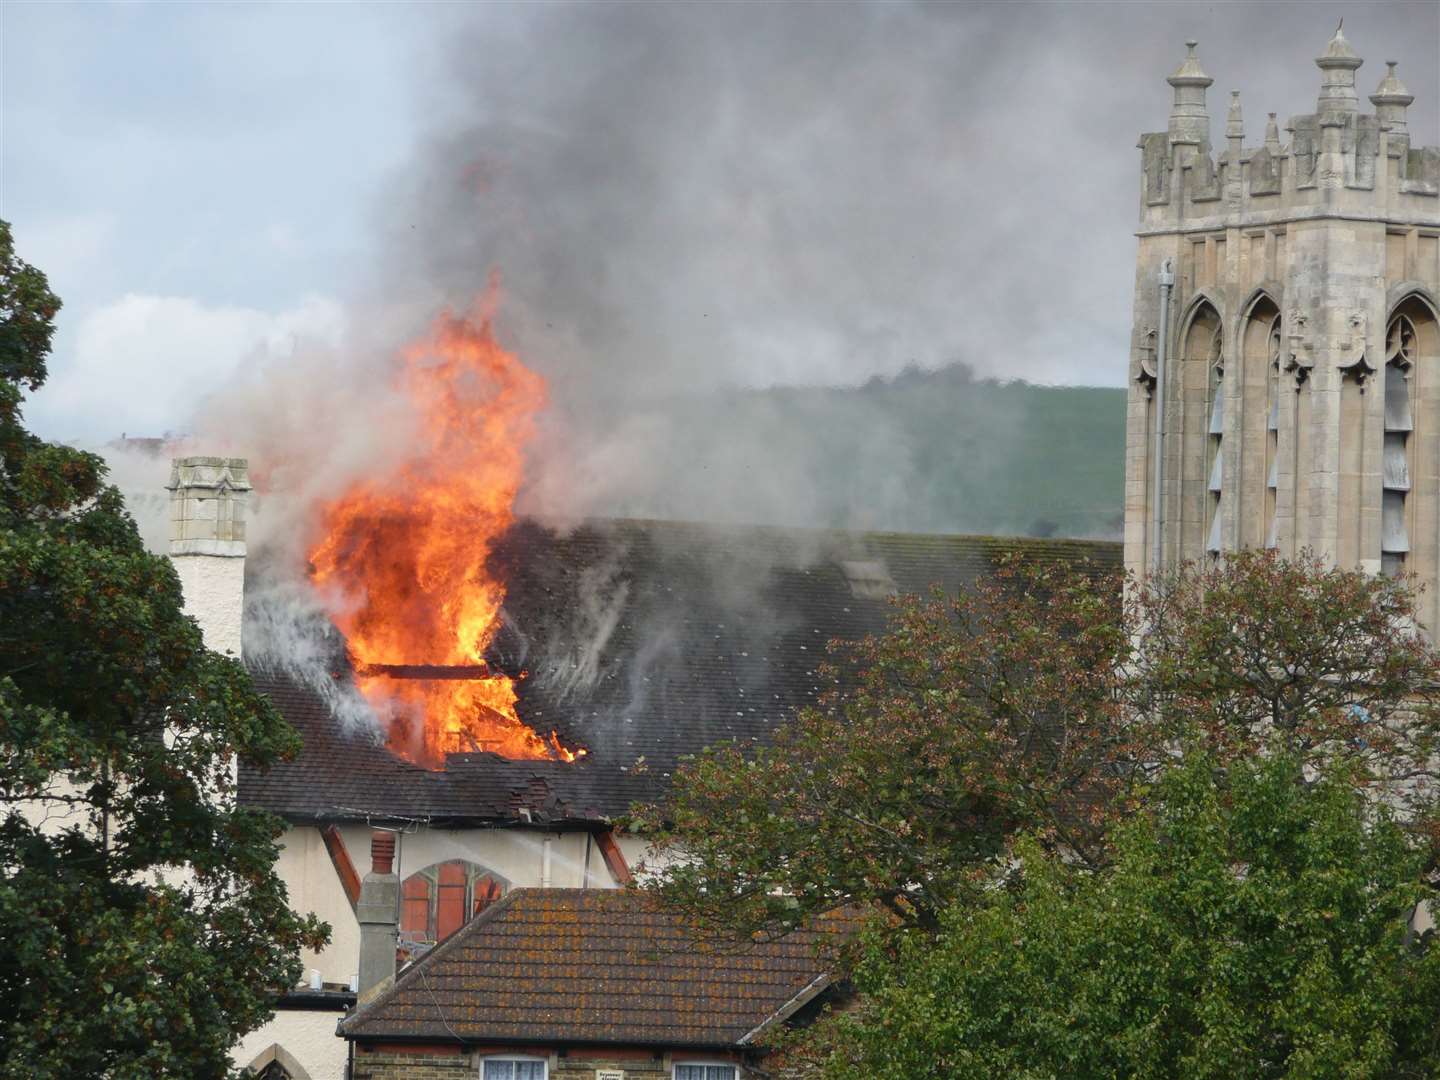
<point x="425" y="671"/>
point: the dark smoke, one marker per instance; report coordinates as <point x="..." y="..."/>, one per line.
<point x="686" y="198"/>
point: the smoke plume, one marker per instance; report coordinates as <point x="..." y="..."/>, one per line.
<point x="690" y="206"/>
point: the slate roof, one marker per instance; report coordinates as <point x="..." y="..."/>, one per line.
<point x="595" y="966"/>
<point x="644" y="642"/>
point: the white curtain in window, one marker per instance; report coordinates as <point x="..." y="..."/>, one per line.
<point x="704" y="1072"/>
<point x="501" y="1069"/>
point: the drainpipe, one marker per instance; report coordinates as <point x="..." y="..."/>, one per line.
<point x="545" y="863"/>
<point x="1162" y="340"/>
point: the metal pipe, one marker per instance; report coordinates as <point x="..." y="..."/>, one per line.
<point x="1162" y="340"/>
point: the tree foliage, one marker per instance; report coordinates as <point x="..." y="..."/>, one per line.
<point x="144" y="925"/>
<point x="971" y="718"/>
<point x="1252" y="925"/>
<point x="1041" y="702"/>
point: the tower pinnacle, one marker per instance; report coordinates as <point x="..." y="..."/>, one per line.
<point x="1272" y="134"/>
<point x="1189" y="122"/>
<point x="1390" y="99"/>
<point x="1337" y="76"/>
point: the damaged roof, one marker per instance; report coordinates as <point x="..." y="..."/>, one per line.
<point x="597" y="966"/>
<point x="643" y="642"/>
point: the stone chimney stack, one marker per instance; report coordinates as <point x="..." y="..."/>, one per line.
<point x="376" y="911"/>
<point x="208" y="497"/>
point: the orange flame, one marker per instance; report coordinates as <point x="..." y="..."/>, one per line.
<point x="401" y="564"/>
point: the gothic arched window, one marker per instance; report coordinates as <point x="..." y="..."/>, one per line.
<point x="1215" y="437"/>
<point x="437" y="901"/>
<point x="1400" y="353"/>
<point x="1272" y="431"/>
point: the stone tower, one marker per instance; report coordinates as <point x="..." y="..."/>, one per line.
<point x="1286" y="312"/>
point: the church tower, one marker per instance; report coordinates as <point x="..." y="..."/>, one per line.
<point x="1286" y="317"/>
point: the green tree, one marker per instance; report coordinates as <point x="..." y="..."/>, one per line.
<point x="973" y="717"/>
<point x="1252" y="925"/>
<point x="1039" y="702"/>
<point x="144" y="926"/>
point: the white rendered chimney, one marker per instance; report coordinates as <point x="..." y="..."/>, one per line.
<point x="208" y="496"/>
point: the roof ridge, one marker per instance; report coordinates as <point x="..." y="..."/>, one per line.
<point x="817" y="530"/>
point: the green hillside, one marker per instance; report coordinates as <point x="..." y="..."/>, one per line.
<point x="926" y="451"/>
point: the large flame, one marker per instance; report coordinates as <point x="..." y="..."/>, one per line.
<point x="401" y="562"/>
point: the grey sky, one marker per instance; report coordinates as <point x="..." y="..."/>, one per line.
<point x="677" y="196"/>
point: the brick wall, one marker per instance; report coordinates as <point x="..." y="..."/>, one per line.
<point x="390" y="1063"/>
<point x="575" y="1068"/>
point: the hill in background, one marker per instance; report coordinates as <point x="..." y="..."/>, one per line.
<point x="925" y="451"/>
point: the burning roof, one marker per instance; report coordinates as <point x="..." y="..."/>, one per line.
<point x="402" y="560"/>
<point x="642" y="642"/>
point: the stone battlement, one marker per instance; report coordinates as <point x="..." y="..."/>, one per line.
<point x="1335" y="161"/>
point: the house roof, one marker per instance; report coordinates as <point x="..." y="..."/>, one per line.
<point x="643" y="642"/>
<point x="596" y="966"/>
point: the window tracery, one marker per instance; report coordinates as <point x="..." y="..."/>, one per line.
<point x="438" y="900"/>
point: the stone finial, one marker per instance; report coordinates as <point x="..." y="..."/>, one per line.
<point x="1391" y="99"/>
<point x="208" y="496"/>
<point x="1337" y="75"/>
<point x="1189" y="122"/>
<point x="1272" y="134"/>
<point x="1234" y="122"/>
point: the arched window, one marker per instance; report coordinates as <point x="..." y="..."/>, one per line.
<point x="1272" y="432"/>
<point x="1257" y="480"/>
<point x="1400" y="355"/>
<point x="1215" y="438"/>
<point x="1195" y="477"/>
<point x="275" y="1063"/>
<point x="437" y="901"/>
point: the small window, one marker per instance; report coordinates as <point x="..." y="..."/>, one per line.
<point x="513" y="1069"/>
<point x="705" y="1072"/>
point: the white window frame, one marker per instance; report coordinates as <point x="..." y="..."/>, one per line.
<point x="675" y="1067"/>
<point x="526" y="1059"/>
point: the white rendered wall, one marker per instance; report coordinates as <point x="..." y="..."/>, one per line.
<point x="516" y="855"/>
<point x="214" y="588"/>
<point x="308" y="1037"/>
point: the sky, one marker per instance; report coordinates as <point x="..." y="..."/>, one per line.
<point x="675" y="198"/>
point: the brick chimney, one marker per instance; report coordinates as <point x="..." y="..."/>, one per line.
<point x="208" y="497"/>
<point x="376" y="911"/>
